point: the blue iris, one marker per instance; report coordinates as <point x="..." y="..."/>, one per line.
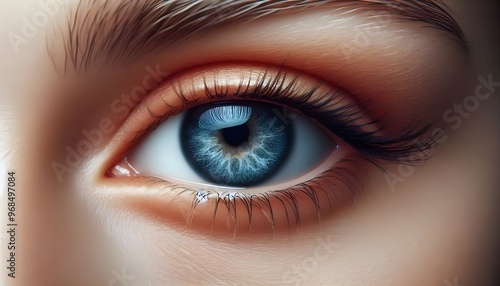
<point x="235" y="144"/>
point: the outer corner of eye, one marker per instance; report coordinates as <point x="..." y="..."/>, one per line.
<point x="235" y="144"/>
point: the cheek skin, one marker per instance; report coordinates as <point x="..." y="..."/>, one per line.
<point x="49" y="224"/>
<point x="424" y="232"/>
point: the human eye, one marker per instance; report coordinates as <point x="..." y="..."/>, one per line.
<point x="247" y="148"/>
<point x="364" y="104"/>
<point x="233" y="144"/>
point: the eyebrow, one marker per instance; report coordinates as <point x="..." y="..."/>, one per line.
<point x="118" y="32"/>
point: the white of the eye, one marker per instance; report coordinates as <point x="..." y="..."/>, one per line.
<point x="161" y="155"/>
<point x="311" y="146"/>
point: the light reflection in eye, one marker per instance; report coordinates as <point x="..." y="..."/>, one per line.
<point x="233" y="144"/>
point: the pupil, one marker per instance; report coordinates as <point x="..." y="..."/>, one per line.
<point x="235" y="135"/>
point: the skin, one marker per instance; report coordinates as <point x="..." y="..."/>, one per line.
<point x="435" y="225"/>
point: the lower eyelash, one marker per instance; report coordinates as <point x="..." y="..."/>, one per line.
<point x="324" y="193"/>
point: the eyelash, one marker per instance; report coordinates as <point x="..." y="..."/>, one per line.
<point x="402" y="147"/>
<point x="339" y="121"/>
<point x="338" y="184"/>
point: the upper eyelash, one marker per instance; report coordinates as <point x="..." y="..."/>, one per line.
<point x="337" y="120"/>
<point x="403" y="147"/>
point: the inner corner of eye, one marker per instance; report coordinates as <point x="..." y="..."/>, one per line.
<point x="236" y="144"/>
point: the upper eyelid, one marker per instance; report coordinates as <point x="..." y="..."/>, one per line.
<point x="120" y="33"/>
<point x="129" y="132"/>
<point x="181" y="92"/>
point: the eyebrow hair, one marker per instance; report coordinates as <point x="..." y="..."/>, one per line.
<point x="118" y="32"/>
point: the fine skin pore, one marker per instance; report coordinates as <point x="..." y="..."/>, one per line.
<point x="434" y="225"/>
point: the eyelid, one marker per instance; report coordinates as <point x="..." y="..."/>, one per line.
<point x="339" y="183"/>
<point x="189" y="88"/>
<point x="272" y="212"/>
<point x="332" y="107"/>
<point x="208" y="83"/>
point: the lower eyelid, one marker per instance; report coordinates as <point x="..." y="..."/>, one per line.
<point x="272" y="213"/>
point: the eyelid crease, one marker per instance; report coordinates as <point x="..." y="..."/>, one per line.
<point x="233" y="82"/>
